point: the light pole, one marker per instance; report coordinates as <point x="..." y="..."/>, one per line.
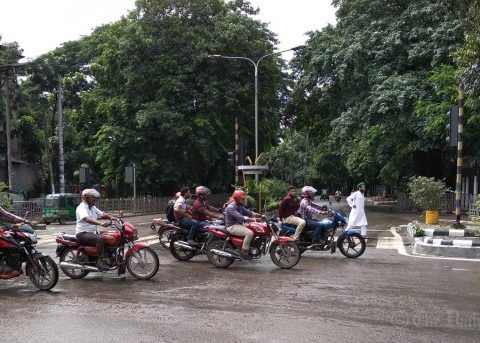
<point x="255" y="64"/>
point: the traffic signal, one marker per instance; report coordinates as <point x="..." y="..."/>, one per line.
<point x="452" y="127"/>
<point x="231" y="157"/>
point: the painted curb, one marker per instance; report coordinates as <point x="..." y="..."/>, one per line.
<point x="452" y="242"/>
<point x="464" y="249"/>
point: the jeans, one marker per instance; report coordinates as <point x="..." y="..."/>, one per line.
<point x="317" y="226"/>
<point x="192" y="225"/>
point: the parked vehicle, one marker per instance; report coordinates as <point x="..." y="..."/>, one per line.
<point x="350" y="243"/>
<point x="76" y="260"/>
<point x="60" y="207"/>
<point x="324" y="194"/>
<point x="225" y="248"/>
<point x="182" y="250"/>
<point x="17" y="246"/>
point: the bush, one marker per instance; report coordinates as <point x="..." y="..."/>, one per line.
<point x="427" y="193"/>
<point x="4" y="199"/>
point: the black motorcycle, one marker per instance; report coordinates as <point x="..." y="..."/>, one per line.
<point x="182" y="250"/>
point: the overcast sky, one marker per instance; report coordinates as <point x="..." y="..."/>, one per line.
<point x="42" y="25"/>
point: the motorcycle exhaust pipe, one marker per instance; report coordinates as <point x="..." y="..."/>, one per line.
<point x="79" y="266"/>
<point x="222" y="253"/>
<point x="180" y="244"/>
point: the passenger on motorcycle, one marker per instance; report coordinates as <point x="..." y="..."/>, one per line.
<point x="184" y="217"/>
<point x="7" y="217"/>
<point x="307" y="209"/>
<point x="288" y="212"/>
<point x="87" y="220"/>
<point x="201" y="211"/>
<point x="235" y="215"/>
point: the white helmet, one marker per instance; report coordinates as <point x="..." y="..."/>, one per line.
<point x="202" y="191"/>
<point x="308" y="190"/>
<point x="90" y="192"/>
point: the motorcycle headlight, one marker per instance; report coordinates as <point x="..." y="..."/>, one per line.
<point x="32" y="236"/>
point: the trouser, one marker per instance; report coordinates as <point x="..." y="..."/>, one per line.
<point x="363" y="230"/>
<point x="299" y="222"/>
<point x="192" y="225"/>
<point x="240" y="230"/>
<point x="90" y="238"/>
<point x="317" y="227"/>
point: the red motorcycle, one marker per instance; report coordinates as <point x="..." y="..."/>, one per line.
<point x="225" y="248"/>
<point x="77" y="260"/>
<point x="17" y="245"/>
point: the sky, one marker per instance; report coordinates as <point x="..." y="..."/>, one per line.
<point x="42" y="25"/>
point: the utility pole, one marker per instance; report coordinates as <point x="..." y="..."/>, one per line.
<point x="237" y="150"/>
<point x="8" y="129"/>
<point x="61" y="160"/>
<point x="458" y="185"/>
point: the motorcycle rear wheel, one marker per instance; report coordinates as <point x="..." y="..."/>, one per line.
<point x="143" y="270"/>
<point x="163" y="237"/>
<point x="287" y="257"/>
<point x="70" y="255"/>
<point x="45" y="275"/>
<point x="352" y="246"/>
<point x="180" y="253"/>
<point x="216" y="260"/>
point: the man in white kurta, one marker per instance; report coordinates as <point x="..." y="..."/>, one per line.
<point x="357" y="217"/>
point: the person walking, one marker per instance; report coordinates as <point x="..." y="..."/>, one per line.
<point x="357" y="217"/>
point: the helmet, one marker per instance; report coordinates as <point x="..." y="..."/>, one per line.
<point x="90" y="192"/>
<point x="202" y="191"/>
<point x="307" y="190"/>
<point x="239" y="195"/>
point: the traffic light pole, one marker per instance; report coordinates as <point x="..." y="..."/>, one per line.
<point x="237" y="150"/>
<point x="458" y="185"/>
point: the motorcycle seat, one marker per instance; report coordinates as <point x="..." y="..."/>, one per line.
<point x="71" y="238"/>
<point x="219" y="227"/>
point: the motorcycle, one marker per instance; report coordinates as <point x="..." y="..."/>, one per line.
<point x="164" y="231"/>
<point x="350" y="243"/>
<point x="182" y="250"/>
<point x="17" y="245"/>
<point x="225" y="248"/>
<point x="77" y="261"/>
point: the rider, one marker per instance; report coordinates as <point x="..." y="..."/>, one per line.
<point x="86" y="230"/>
<point x="184" y="217"/>
<point x="235" y="215"/>
<point x="7" y="217"/>
<point x="201" y="210"/>
<point x="307" y="209"/>
<point x="288" y="212"/>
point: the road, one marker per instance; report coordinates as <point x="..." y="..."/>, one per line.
<point x="382" y="296"/>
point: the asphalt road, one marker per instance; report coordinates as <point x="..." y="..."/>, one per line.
<point x="381" y="296"/>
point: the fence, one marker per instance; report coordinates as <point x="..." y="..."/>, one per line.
<point x="447" y="204"/>
<point x="146" y="205"/>
<point x="472" y="209"/>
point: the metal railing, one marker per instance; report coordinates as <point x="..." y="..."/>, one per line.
<point x="446" y="204"/>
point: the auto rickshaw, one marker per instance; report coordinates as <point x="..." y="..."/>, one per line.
<point x="60" y="207"/>
<point x="324" y="194"/>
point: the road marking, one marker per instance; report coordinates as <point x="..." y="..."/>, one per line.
<point x="388" y="243"/>
<point x="461" y="269"/>
<point x="401" y="250"/>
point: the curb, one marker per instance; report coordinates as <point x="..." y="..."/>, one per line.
<point x="448" y="233"/>
<point x="468" y="243"/>
<point x="458" y="251"/>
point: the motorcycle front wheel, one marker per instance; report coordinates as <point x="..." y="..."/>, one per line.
<point x="44" y="275"/>
<point x="217" y="260"/>
<point x="70" y="255"/>
<point x="352" y="246"/>
<point x="285" y="256"/>
<point x="143" y="264"/>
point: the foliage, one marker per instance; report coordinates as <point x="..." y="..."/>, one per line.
<point x="427" y="192"/>
<point x="416" y="229"/>
<point x="358" y="84"/>
<point x="5" y="201"/>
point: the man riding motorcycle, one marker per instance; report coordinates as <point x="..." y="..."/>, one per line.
<point x="307" y="209"/>
<point x="235" y="215"/>
<point x="86" y="229"/>
<point x="183" y="215"/>
<point x="7" y="217"/>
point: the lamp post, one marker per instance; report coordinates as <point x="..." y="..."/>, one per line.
<point x="255" y="64"/>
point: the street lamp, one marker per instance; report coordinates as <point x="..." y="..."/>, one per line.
<point x="255" y="64"/>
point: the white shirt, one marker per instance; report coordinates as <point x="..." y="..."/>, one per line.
<point x="180" y="204"/>
<point x="83" y="211"/>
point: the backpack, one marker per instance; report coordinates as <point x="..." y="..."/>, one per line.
<point x="170" y="213"/>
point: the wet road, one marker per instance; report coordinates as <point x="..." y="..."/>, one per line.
<point x="381" y="296"/>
